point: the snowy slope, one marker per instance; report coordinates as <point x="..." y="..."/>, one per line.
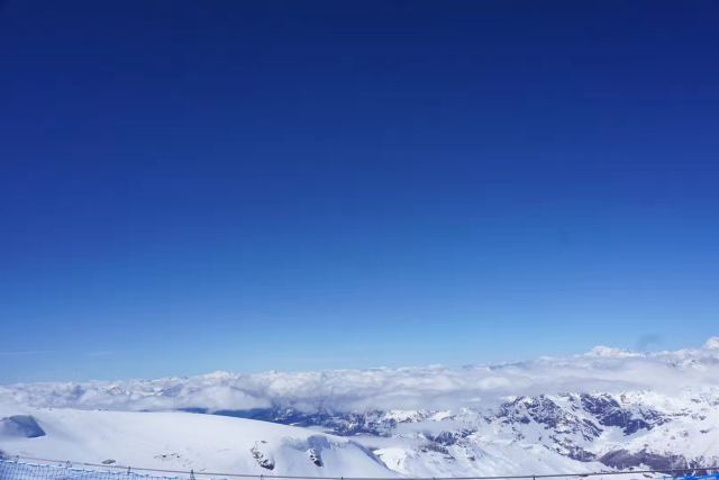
<point x="185" y="441"/>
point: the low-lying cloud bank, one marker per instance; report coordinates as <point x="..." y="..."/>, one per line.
<point x="603" y="369"/>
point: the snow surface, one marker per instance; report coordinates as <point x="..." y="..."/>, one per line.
<point x="186" y="441"/>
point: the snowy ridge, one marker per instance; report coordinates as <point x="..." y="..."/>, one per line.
<point x="184" y="441"/>
<point x="608" y="408"/>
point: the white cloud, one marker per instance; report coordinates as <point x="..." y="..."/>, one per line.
<point x="603" y="369"/>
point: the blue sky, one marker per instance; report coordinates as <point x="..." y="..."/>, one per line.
<point x="186" y="187"/>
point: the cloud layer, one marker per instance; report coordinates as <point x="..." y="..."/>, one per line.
<point x="603" y="369"/>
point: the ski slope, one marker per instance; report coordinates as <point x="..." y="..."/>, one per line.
<point x="186" y="441"/>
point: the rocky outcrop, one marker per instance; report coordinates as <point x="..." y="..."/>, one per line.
<point x="20" y="426"/>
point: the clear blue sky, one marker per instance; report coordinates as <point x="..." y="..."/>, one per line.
<point x="192" y="186"/>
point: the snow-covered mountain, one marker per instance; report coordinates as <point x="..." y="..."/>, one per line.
<point x="181" y="441"/>
<point x="608" y="408"/>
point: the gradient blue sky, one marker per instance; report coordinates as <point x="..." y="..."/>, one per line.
<point x="192" y="186"/>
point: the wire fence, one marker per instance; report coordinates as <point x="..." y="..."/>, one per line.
<point x="16" y="470"/>
<point x="43" y="469"/>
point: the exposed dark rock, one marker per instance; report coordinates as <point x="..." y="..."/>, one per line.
<point x="21" y="426"/>
<point x="437" y="448"/>
<point x="546" y="412"/>
<point x="623" y="459"/>
<point x="339" y="423"/>
<point x="264" y="460"/>
<point x="448" y="438"/>
<point x="315" y="457"/>
<point x="610" y="413"/>
<point x="579" y="454"/>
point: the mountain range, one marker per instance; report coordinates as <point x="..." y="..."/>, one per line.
<point x="608" y="409"/>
